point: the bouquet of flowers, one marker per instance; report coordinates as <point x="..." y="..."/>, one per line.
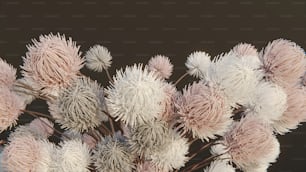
<point x="139" y="120"/>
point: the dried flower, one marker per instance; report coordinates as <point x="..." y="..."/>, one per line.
<point x="80" y="106"/>
<point x="304" y="80"/>
<point x="204" y="111"/>
<point x="149" y="137"/>
<point x="173" y="155"/>
<point x="147" y="166"/>
<point x="244" y="49"/>
<point x="219" y="166"/>
<point x="7" y="74"/>
<point x="136" y="96"/>
<point x="10" y="108"/>
<point x="112" y="154"/>
<point x="52" y="62"/>
<point x="171" y="92"/>
<point x="197" y="63"/>
<point x="161" y="65"/>
<point x="73" y="156"/>
<point x="98" y="58"/>
<point x="283" y="62"/>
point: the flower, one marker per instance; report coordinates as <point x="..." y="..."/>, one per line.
<point x="283" y="62"/>
<point x="89" y="140"/>
<point x="161" y="65"/>
<point x="73" y="156"/>
<point x="147" y="166"/>
<point x="7" y="74"/>
<point x="149" y="137"/>
<point x="173" y="155"/>
<point x="10" y="108"/>
<point x="218" y="166"/>
<point x="304" y="80"/>
<point x="244" y="49"/>
<point x="251" y="143"/>
<point x="23" y="88"/>
<point x="295" y="112"/>
<point x="197" y="63"/>
<point x="268" y="102"/>
<point x="52" y="62"/>
<point x="204" y="111"/>
<point x="136" y="96"/>
<point x="172" y="94"/>
<point x="80" y="106"/>
<point x="98" y="58"/>
<point x="112" y="154"/>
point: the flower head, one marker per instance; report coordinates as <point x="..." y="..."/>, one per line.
<point x="7" y="74"/>
<point x="98" y="58"/>
<point x="283" y="62"/>
<point x="147" y="166"/>
<point x="244" y="49"/>
<point x="136" y="95"/>
<point x="112" y="154"/>
<point x="304" y="80"/>
<point x="161" y="65"/>
<point x="204" y="111"/>
<point x="218" y="166"/>
<point x="10" y="108"/>
<point x="80" y="106"/>
<point x="169" y="102"/>
<point x="52" y="62"/>
<point x="198" y="63"/>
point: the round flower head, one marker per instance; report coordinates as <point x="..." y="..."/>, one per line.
<point x="10" y="108"/>
<point x="173" y="155"/>
<point x="251" y="143"/>
<point x="283" y="62"/>
<point x="80" y="106"/>
<point x="169" y="102"/>
<point x="136" y="96"/>
<point x="112" y="154"/>
<point x="98" y="58"/>
<point x="161" y="65"/>
<point x="73" y="156"/>
<point x="244" y="49"/>
<point x="295" y="112"/>
<point x="52" y="62"/>
<point x="268" y="102"/>
<point x="7" y="74"/>
<point x="204" y="111"/>
<point x="23" y="88"/>
<point x="198" y="63"/>
<point x="25" y="153"/>
<point x="219" y="166"/>
<point x="148" y="137"/>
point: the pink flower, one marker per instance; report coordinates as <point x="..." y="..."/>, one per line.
<point x="244" y="49"/>
<point x="171" y="95"/>
<point x="283" y="62"/>
<point x="52" y="62"/>
<point x="161" y="65"/>
<point x="42" y="126"/>
<point x="7" y="74"/>
<point x="204" y="111"/>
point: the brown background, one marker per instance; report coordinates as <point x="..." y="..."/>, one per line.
<point x="135" y="30"/>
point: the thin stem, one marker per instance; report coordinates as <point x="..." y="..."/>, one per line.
<point x="181" y="78"/>
<point x="109" y="76"/>
<point x="37" y="114"/>
<point x="201" y="149"/>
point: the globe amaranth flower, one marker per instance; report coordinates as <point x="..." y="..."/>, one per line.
<point x="51" y="63"/>
<point x="161" y="65"/>
<point x="204" y="111"/>
<point x="198" y="63"/>
<point x="80" y="106"/>
<point x="7" y="74"/>
<point x="136" y="96"/>
<point x="98" y="58"/>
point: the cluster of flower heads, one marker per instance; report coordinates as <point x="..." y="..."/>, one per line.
<point x="140" y="121"/>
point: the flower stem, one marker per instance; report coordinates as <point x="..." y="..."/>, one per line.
<point x="181" y="78"/>
<point x="109" y="76"/>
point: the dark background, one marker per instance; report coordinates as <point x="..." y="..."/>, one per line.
<point x="136" y="30"/>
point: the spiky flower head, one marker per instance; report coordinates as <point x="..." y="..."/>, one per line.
<point x="245" y="49"/>
<point x="136" y="95"/>
<point x="147" y="166"/>
<point x="251" y="143"/>
<point x="283" y="62"/>
<point x="149" y="137"/>
<point x="173" y="155"/>
<point x="98" y="58"/>
<point x="113" y="154"/>
<point x="171" y="95"/>
<point x="7" y="74"/>
<point x="10" y="108"/>
<point x="52" y="62"/>
<point x="73" y="156"/>
<point x="161" y="65"/>
<point x="204" y="111"/>
<point x="197" y="63"/>
<point x="218" y="166"/>
<point x="80" y="106"/>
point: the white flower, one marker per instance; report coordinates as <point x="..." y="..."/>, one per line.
<point x="174" y="155"/>
<point x="219" y="166"/>
<point x="136" y="96"/>
<point x="98" y="58"/>
<point x="198" y="63"/>
<point x="74" y="156"/>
